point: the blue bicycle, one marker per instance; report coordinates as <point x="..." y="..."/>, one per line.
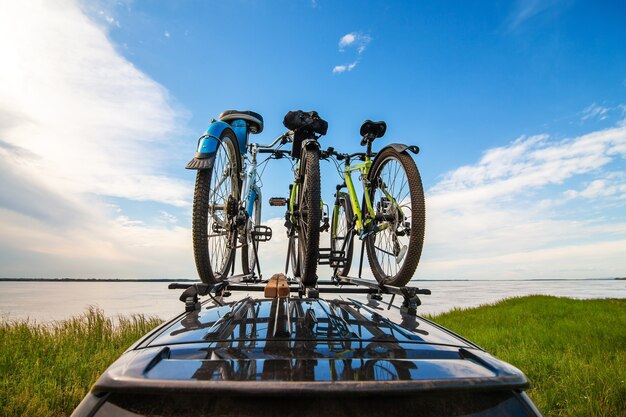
<point x="216" y="216"/>
<point x="227" y="204"/>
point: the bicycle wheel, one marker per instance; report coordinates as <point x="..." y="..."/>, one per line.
<point x="310" y="215"/>
<point x="339" y="237"/>
<point x="215" y="201"/>
<point x="248" y="255"/>
<point x="398" y="199"/>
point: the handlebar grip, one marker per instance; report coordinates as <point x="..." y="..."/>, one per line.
<point x="266" y="150"/>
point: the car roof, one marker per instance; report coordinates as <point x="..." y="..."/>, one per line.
<point x="305" y="345"/>
<point x="255" y="321"/>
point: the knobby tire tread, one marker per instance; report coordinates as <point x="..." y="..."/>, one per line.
<point x="310" y="181"/>
<point x="418" y="221"/>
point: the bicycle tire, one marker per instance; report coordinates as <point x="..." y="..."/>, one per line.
<point x="248" y="257"/>
<point x="389" y="273"/>
<point x="214" y="255"/>
<point x="310" y="215"/>
<point x="339" y="233"/>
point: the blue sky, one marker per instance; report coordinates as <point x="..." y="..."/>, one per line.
<point x="519" y="109"/>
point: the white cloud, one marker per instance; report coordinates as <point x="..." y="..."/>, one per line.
<point x="614" y="185"/>
<point x="109" y="19"/>
<point x="492" y="219"/>
<point x="80" y="124"/>
<point x="595" y="111"/>
<point x="530" y="163"/>
<point x="354" y="39"/>
<point x="168" y="217"/>
<point x="167" y="34"/>
<point x="347" y="39"/>
<point x="90" y="117"/>
<point x="338" y="69"/>
<point x="525" y="10"/>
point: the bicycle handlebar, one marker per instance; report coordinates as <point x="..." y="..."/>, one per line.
<point x="341" y="156"/>
<point x="275" y="151"/>
<point x="284" y="138"/>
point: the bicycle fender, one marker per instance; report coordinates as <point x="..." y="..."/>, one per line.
<point x="207" y="147"/>
<point x="310" y="144"/>
<point x="400" y="148"/>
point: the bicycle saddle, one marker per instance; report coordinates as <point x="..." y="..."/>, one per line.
<point x="373" y="129"/>
<point x="255" y="120"/>
<point x="305" y="121"/>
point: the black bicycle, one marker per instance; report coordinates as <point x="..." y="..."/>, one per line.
<point x="304" y="213"/>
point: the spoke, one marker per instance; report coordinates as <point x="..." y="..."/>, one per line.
<point x="382" y="250"/>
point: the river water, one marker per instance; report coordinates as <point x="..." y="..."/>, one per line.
<point x="50" y="301"/>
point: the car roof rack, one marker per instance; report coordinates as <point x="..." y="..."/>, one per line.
<point x="250" y="282"/>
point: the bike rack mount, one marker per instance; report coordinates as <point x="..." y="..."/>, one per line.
<point x="374" y="290"/>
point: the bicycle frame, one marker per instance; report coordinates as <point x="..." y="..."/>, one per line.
<point x="362" y="225"/>
<point x="364" y="169"/>
<point x="293" y="197"/>
<point x="251" y="191"/>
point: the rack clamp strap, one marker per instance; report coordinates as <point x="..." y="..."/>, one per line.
<point x="411" y="300"/>
<point x="193" y="291"/>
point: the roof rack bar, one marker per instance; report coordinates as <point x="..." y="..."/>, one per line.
<point x="383" y="288"/>
<point x="292" y="288"/>
<point x="410" y="294"/>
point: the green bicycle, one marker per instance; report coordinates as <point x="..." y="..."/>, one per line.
<point x="391" y="219"/>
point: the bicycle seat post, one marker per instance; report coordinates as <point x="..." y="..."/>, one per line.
<point x="254" y="149"/>
<point x="368" y="139"/>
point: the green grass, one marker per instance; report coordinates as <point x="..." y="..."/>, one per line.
<point x="46" y="370"/>
<point x="573" y="351"/>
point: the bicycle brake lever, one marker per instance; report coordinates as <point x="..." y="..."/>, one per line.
<point x="285" y="138"/>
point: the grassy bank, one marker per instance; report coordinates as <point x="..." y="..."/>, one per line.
<point x="46" y="370"/>
<point x="573" y="351"/>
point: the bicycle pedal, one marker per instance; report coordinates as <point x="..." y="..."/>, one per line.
<point x="278" y="201"/>
<point x="262" y="233"/>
